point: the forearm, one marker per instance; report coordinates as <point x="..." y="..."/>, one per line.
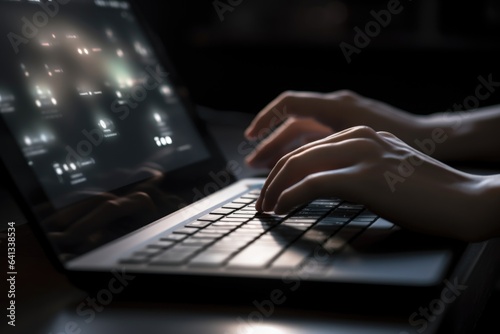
<point x="464" y="136"/>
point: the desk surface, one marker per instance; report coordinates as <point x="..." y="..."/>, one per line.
<point x="47" y="303"/>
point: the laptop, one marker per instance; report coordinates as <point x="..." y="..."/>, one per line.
<point x="119" y="177"/>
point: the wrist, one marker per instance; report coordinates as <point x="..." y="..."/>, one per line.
<point x="487" y="206"/>
<point x="437" y="135"/>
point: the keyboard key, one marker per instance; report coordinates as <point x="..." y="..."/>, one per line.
<point x="254" y="256"/>
<point x="266" y="216"/>
<point x="248" y="210"/>
<point x="343" y="213"/>
<point x="362" y="223"/>
<point x="238" y="214"/>
<point x="210" y="217"/>
<point x="297" y="226"/>
<point x="212" y="236"/>
<point x="186" y="230"/>
<point x="382" y="224"/>
<point x="340" y="239"/>
<point x="261" y="227"/>
<point x="233" y="206"/>
<point x="246" y="232"/>
<point x="212" y="233"/>
<point x="333" y="221"/>
<point x="294" y="255"/>
<point x="239" y="236"/>
<point x="267" y="242"/>
<point x="176" y="255"/>
<point x="238" y="220"/>
<point x="251" y="195"/>
<point x="172" y="258"/>
<point x="316" y="236"/>
<point x="327" y="228"/>
<point x="350" y="206"/>
<point x="250" y="231"/>
<point x="197" y="242"/>
<point x="299" y="220"/>
<point x="198" y="224"/>
<point x="286" y="230"/>
<point x="261" y="223"/>
<point x="244" y="200"/>
<point x="222" y="211"/>
<point x="210" y="259"/>
<point x="162" y="244"/>
<point x="323" y="204"/>
<point x="230" y="245"/>
<point x="368" y="214"/>
<point x="174" y="237"/>
<point x="285" y="239"/>
<point x="227" y="224"/>
<point x="149" y="251"/>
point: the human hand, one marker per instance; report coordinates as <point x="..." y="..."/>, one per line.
<point x="86" y="223"/>
<point x="306" y="117"/>
<point x="389" y="177"/>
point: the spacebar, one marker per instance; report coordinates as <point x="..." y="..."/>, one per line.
<point x="254" y="257"/>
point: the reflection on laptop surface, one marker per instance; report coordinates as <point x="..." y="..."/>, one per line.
<point x="110" y="161"/>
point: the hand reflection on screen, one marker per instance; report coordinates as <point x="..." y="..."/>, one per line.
<point x="105" y="216"/>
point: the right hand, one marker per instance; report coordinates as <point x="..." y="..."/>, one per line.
<point x="391" y="179"/>
<point x="306" y="117"/>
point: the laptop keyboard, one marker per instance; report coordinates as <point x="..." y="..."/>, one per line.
<point x="237" y="236"/>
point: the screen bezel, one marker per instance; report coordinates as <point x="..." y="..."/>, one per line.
<point x="29" y="192"/>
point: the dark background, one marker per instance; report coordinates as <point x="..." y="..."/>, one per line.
<point x="427" y="59"/>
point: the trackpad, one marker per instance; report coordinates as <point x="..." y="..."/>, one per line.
<point x="418" y="268"/>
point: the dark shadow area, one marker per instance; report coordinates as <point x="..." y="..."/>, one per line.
<point x="427" y="58"/>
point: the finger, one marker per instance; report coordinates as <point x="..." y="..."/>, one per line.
<point x="351" y="133"/>
<point x="333" y="156"/>
<point x="292" y="134"/>
<point x="91" y="198"/>
<point x="288" y="104"/>
<point x="144" y="172"/>
<point x="61" y="220"/>
<point x="160" y="197"/>
<point x="336" y="183"/>
<point x="150" y="172"/>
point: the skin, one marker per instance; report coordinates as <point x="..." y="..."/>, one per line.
<point x="381" y="164"/>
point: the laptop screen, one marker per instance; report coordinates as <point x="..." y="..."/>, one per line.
<point x="90" y="105"/>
